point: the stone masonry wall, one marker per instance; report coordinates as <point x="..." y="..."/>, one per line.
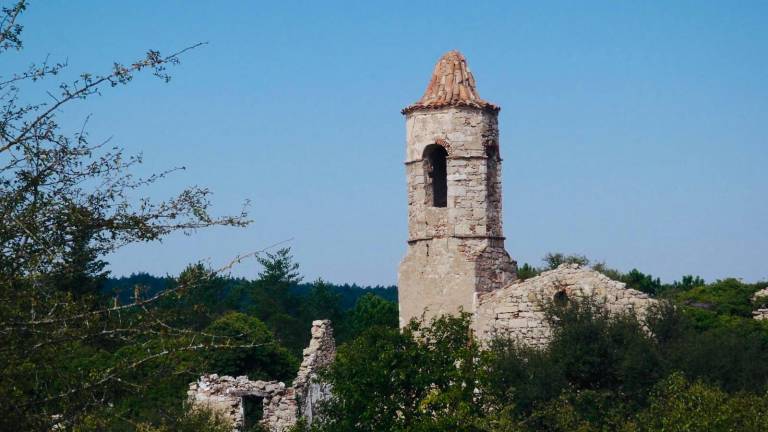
<point x="474" y="191"/>
<point x="224" y="394"/>
<point x="320" y="353"/>
<point x="457" y="250"/>
<point x="435" y="279"/>
<point x="493" y="187"/>
<point x="515" y="311"/>
<point x="493" y="267"/>
<point x="282" y="406"/>
<point x="761" y="313"/>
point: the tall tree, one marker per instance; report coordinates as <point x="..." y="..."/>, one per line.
<point x="66" y="202"/>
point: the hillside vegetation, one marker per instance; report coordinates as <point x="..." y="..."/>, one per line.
<point x="697" y="362"/>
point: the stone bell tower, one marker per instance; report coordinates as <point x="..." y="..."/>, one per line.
<point x="453" y="169"/>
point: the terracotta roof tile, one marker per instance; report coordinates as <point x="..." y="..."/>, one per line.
<point x="452" y="84"/>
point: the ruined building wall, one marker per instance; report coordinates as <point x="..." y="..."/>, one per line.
<point x="761" y="312"/>
<point x="320" y="353"/>
<point x="281" y="406"/>
<point x="516" y="310"/>
<point x="225" y="394"/>
<point x="457" y="250"/>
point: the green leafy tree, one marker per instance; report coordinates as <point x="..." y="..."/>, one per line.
<point x="680" y="406"/>
<point x="66" y="203"/>
<point x="723" y="297"/>
<point x="527" y="271"/>
<point x="264" y="359"/>
<point x="271" y="300"/>
<point x="80" y="271"/>
<point x="553" y="260"/>
<point x="635" y="279"/>
<point x="192" y="420"/>
<point x="604" y="269"/>
<point x="200" y="299"/>
<point x="514" y="378"/>
<point x="420" y="379"/>
<point x="599" y="351"/>
<point x="370" y="311"/>
<point x="280" y="271"/>
<point x="688" y="282"/>
<point x="187" y="420"/>
<point x="323" y="303"/>
<point x="594" y="371"/>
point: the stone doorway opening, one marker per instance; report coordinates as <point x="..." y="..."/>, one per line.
<point x="253" y="412"/>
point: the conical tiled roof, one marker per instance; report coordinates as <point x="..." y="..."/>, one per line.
<point x="452" y="84"/>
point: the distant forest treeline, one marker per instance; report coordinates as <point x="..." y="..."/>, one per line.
<point x="123" y="287"/>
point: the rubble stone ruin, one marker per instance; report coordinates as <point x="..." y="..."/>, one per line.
<point x="270" y="403"/>
<point x="456" y="258"/>
<point x="761" y="299"/>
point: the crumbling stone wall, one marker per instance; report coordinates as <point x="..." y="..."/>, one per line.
<point x="224" y="395"/>
<point x="761" y="313"/>
<point x="320" y="353"/>
<point x="493" y="267"/>
<point x="516" y="310"/>
<point x="282" y="406"/>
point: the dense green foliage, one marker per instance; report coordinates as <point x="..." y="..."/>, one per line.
<point x="599" y="372"/>
<point x="286" y="306"/>
<point x="388" y="380"/>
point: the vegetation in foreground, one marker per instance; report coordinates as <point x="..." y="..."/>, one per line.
<point x="600" y="373"/>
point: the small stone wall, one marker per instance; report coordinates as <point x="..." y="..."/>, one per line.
<point x="282" y="406"/>
<point x="516" y="310"/>
<point x="224" y="394"/>
<point x="760" y="313"/>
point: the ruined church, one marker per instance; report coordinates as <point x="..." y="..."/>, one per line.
<point x="455" y="261"/>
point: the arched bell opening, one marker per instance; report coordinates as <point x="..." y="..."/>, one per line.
<point x="435" y="175"/>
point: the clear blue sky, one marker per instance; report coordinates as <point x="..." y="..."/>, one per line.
<point x="632" y="132"/>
